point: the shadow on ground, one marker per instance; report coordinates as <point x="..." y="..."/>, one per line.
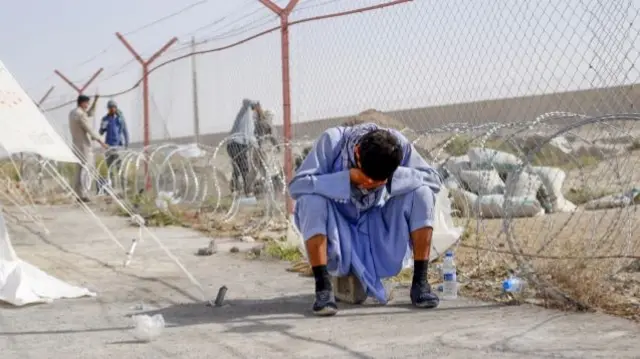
<point x="251" y="316"/>
<point x="297" y="307"/>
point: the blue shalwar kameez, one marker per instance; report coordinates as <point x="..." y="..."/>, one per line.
<point x="368" y="232"/>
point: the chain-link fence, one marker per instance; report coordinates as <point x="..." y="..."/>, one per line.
<point x="526" y="108"/>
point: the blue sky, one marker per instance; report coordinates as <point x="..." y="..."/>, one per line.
<point x="421" y="53"/>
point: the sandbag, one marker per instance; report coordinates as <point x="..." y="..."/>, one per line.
<point x="486" y="158"/>
<point x="483" y="182"/>
<point x="451" y="183"/>
<point x="490" y="206"/>
<point x="522" y="184"/>
<point x="499" y="206"/>
<point x="456" y="164"/>
<point x="524" y="206"/>
<point x="614" y="201"/>
<point x="553" y="179"/>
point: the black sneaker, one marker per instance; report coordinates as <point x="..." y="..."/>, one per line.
<point x="325" y="304"/>
<point x="422" y="297"/>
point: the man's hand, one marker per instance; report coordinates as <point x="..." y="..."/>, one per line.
<point x="104" y="145"/>
<point x="361" y="180"/>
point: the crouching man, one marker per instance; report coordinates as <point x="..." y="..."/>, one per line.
<point x="363" y="198"/>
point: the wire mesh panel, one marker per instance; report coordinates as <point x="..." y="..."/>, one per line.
<point x="489" y="94"/>
<point x="526" y="109"/>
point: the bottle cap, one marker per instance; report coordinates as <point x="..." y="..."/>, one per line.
<point x="506" y="285"/>
<point x="448" y="254"/>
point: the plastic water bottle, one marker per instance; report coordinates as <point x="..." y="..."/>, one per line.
<point x="450" y="281"/>
<point x="513" y="285"/>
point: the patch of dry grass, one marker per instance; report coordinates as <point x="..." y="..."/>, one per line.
<point x="575" y="254"/>
<point x="283" y="251"/>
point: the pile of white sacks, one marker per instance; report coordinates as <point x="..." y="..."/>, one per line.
<point x="487" y="183"/>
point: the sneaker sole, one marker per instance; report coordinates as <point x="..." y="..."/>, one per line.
<point x="326" y="312"/>
<point x="426" y="305"/>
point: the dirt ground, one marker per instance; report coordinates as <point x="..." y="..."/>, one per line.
<point x="587" y="255"/>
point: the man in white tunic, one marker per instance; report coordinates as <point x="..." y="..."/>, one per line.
<point x="82" y="134"/>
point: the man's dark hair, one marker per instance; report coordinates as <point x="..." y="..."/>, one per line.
<point x="82" y="99"/>
<point x="380" y="154"/>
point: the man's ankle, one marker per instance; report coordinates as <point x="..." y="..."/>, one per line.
<point x="420" y="268"/>
<point x="322" y="278"/>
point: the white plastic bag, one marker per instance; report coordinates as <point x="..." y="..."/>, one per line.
<point x="483" y="182"/>
<point x="451" y="183"/>
<point x="499" y="206"/>
<point x="445" y="233"/>
<point x="553" y="179"/>
<point x="522" y="184"/>
<point x="523" y="206"/>
<point x="489" y="206"/>
<point x="148" y="328"/>
<point x="456" y="164"/>
<point x="607" y="202"/>
<point x="486" y="158"/>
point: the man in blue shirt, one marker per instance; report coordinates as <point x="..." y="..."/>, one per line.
<point x="114" y="127"/>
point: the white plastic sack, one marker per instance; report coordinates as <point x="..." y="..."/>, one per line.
<point x="451" y="183"/>
<point x="517" y="207"/>
<point x="553" y="179"/>
<point x="486" y="158"/>
<point x="499" y="206"/>
<point x="607" y="202"/>
<point x="456" y="164"/>
<point x="483" y="182"/>
<point x="489" y="206"/>
<point x="22" y="283"/>
<point x="522" y="184"/>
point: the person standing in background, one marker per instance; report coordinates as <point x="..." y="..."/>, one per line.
<point x="240" y="145"/>
<point x="114" y="127"/>
<point x="82" y="134"/>
<point x="264" y="126"/>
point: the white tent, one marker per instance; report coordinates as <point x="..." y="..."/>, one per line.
<point x="25" y="129"/>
